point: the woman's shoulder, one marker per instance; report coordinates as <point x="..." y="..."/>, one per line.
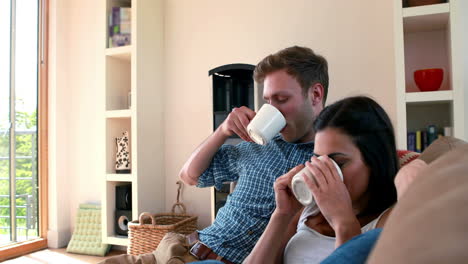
<point x="377" y="222"/>
<point x="383" y="217"/>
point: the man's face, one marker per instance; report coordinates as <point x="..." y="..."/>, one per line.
<point x="284" y="92"/>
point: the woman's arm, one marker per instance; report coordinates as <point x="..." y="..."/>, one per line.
<point x="346" y="231"/>
<point x="271" y="245"/>
<point x="282" y="225"/>
<point x="333" y="199"/>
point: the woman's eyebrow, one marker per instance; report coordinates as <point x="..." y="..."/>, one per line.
<point x="331" y="155"/>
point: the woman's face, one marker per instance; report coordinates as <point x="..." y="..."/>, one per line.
<point x="340" y="147"/>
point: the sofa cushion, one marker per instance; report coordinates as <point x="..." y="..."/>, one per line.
<point x="439" y="147"/>
<point x="429" y="224"/>
<point x="406" y="156"/>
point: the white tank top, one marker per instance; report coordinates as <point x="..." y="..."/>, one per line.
<point x="308" y="245"/>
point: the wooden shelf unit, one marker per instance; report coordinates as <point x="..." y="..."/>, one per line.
<point x="135" y="69"/>
<point x="122" y="53"/>
<point x="428" y="37"/>
<point x="429" y="97"/>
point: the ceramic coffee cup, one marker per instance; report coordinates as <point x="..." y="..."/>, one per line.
<point x="266" y="124"/>
<point x="301" y="190"/>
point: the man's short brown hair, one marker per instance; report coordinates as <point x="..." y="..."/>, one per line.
<point x="300" y="62"/>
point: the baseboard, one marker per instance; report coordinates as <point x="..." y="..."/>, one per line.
<point x="58" y="239"/>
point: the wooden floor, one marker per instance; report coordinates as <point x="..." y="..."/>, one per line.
<point x="58" y="256"/>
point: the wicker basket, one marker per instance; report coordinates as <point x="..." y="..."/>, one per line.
<point x="146" y="233"/>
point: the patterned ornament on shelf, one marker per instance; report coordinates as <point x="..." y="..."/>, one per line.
<point x="122" y="156"/>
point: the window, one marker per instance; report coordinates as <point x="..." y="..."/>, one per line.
<point x="22" y="116"/>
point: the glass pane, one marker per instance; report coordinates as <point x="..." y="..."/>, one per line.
<point x="4" y="121"/>
<point x="26" y="56"/>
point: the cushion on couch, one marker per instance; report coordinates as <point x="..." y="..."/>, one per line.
<point x="406" y="156"/>
<point x="439" y="147"/>
<point x="430" y="224"/>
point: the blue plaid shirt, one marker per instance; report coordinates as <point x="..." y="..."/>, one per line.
<point x="244" y="217"/>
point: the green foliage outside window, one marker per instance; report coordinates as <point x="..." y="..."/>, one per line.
<point x="26" y="147"/>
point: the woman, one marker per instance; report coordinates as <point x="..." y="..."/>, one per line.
<point x="358" y="135"/>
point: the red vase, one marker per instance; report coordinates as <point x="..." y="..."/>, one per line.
<point x="429" y="79"/>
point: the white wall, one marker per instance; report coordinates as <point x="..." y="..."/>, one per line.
<point x="85" y="86"/>
<point x="355" y="36"/>
<point x="59" y="218"/>
<point x="76" y="112"/>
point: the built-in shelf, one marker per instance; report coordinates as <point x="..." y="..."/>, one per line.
<point x="123" y="53"/>
<point x="126" y="77"/>
<point x="428" y="97"/>
<point x="426" y="10"/>
<point x="428" y="37"/>
<point x="113" y="177"/>
<point x="426" y="18"/>
<point x="117" y="240"/>
<point x="127" y="113"/>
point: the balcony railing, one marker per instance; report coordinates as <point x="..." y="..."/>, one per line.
<point x="26" y="204"/>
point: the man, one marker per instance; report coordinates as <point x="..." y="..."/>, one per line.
<point x="295" y="81"/>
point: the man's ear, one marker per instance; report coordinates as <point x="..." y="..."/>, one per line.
<point x="316" y="93"/>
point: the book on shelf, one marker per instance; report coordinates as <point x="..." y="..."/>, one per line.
<point x="424" y="140"/>
<point x="420" y="139"/>
<point x="448" y="131"/>
<point x="120" y="26"/>
<point x="418" y="142"/>
<point x="411" y="141"/>
<point x="431" y="133"/>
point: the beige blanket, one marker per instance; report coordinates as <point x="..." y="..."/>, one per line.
<point x="173" y="249"/>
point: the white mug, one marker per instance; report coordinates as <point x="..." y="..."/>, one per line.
<point x="266" y="124"/>
<point x="301" y="190"/>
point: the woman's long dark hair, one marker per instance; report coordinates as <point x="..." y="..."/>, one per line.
<point x="370" y="128"/>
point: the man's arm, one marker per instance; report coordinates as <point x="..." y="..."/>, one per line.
<point x="407" y="174"/>
<point x="403" y="179"/>
<point x="235" y="123"/>
<point x="201" y="158"/>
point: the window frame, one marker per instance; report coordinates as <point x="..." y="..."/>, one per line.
<point x="20" y="248"/>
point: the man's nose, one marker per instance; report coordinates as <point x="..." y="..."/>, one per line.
<point x="275" y="105"/>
